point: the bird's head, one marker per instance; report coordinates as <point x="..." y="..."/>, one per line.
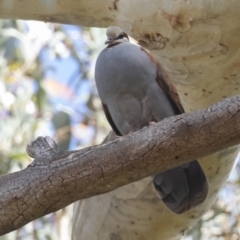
<point x="115" y="35"/>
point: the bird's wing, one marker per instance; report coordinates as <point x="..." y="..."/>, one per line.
<point x="110" y="120"/>
<point x="166" y="85"/>
<point x="169" y="89"/>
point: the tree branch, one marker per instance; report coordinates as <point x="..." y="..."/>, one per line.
<point x="56" y="178"/>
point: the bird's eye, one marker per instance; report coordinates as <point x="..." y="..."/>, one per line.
<point x="121" y="35"/>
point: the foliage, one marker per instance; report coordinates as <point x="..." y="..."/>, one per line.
<point x="45" y="90"/>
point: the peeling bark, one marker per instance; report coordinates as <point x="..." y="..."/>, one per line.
<point x="57" y="178"/>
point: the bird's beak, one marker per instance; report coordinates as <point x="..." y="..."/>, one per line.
<point x="109" y="40"/>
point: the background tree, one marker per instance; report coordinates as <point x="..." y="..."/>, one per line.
<point x="45" y="90"/>
<point x="196" y="44"/>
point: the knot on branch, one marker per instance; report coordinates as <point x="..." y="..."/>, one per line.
<point x="43" y="150"/>
<point x="42" y="146"/>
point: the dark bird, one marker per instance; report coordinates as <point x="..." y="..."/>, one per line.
<point x="135" y="91"/>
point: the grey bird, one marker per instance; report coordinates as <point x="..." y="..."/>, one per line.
<point x="135" y="91"/>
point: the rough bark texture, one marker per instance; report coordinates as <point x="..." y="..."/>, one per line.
<point x="57" y="178"/>
<point x="197" y="42"/>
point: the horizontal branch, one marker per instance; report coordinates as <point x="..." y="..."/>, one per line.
<point x="56" y="178"/>
<point x="86" y="13"/>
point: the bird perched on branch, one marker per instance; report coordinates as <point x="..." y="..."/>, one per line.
<point x="135" y="91"/>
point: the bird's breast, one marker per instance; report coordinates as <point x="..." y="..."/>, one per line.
<point x="124" y="69"/>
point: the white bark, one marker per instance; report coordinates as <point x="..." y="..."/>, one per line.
<point x="197" y="42"/>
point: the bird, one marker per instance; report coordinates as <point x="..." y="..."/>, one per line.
<point x="135" y="91"/>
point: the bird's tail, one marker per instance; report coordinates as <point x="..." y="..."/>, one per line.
<point x="182" y="188"/>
